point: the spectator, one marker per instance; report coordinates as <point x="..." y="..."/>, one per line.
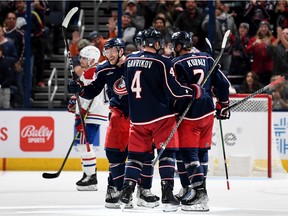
<point x="18" y="39"/>
<point x="9" y="49"/>
<point x="98" y="40"/>
<point x="171" y="9"/>
<point x="250" y="83"/>
<point x="240" y="64"/>
<point x="147" y="9"/>
<point x="6" y="78"/>
<point x="281" y="11"/>
<point x="279" y="95"/>
<point x="279" y="52"/>
<point x="159" y="25"/>
<point x="255" y="12"/>
<point x="73" y="45"/>
<point x="37" y="41"/>
<point x="137" y="20"/>
<point x="223" y="22"/>
<point x="262" y="62"/>
<point x="190" y="21"/>
<point x="129" y="31"/>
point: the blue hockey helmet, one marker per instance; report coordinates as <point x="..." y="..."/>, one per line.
<point x="183" y="38"/>
<point x="150" y="37"/>
<point x="138" y="38"/>
<point x="114" y="42"/>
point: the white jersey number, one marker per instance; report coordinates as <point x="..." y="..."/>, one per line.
<point x="201" y="73"/>
<point x="136" y="85"/>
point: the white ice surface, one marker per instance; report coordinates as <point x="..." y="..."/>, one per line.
<point x="28" y="194"/>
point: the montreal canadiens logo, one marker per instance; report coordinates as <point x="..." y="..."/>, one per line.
<point x="119" y="87"/>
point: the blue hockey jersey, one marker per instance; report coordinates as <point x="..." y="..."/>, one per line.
<point x="151" y="86"/>
<point x="114" y="78"/>
<point x="194" y="68"/>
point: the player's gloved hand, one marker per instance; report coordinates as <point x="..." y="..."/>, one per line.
<point x="75" y="86"/>
<point x="72" y="104"/>
<point x="78" y="123"/>
<point x="220" y="113"/>
<point x="197" y="91"/>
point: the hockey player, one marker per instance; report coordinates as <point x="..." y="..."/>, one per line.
<point x="96" y="115"/>
<point x="150" y="83"/>
<point x="146" y="175"/>
<point x="111" y="72"/>
<point x="195" y="131"/>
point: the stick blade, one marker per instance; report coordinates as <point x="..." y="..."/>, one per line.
<point x="50" y="175"/>
<point x="208" y="42"/>
<point x="226" y="35"/>
<point x="69" y="16"/>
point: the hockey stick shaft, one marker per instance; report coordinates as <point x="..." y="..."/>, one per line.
<point x="272" y="84"/>
<point x="74" y="76"/>
<point x="55" y="175"/>
<point x="224" y="154"/>
<point x="163" y="147"/>
<point x="221" y="133"/>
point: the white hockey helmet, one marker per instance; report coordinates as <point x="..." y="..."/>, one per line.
<point x="90" y="52"/>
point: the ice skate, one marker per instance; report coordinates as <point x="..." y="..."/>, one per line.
<point x="195" y="200"/>
<point x="146" y="198"/>
<point x="112" y="198"/>
<point x="126" y="194"/>
<point x="169" y="201"/>
<point x="183" y="191"/>
<point x="87" y="183"/>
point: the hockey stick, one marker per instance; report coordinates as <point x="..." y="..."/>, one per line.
<point x="55" y="175"/>
<point x="163" y="146"/>
<point x="224" y="155"/>
<point x="64" y="31"/>
<point x="221" y="134"/>
<point x="272" y="84"/>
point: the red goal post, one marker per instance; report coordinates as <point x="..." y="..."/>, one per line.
<point x="248" y="138"/>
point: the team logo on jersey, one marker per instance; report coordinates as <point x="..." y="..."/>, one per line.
<point x="119" y="87"/>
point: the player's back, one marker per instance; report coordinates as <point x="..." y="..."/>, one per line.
<point x="194" y="68"/>
<point x="146" y="83"/>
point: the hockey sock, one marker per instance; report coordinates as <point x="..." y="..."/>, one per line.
<point x="167" y="165"/>
<point x="117" y="172"/>
<point x="182" y="171"/>
<point x="146" y="175"/>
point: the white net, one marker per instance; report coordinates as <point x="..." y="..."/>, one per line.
<point x="248" y="140"/>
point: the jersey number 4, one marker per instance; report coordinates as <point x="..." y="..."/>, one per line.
<point x="136" y="85"/>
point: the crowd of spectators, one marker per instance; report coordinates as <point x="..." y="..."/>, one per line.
<point x="257" y="46"/>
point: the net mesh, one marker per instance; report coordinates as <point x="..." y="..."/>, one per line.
<point x="246" y="140"/>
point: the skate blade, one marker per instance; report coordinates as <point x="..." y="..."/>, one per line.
<point x="87" y="188"/>
<point x="126" y="206"/>
<point x="145" y="204"/>
<point x="170" y="208"/>
<point x="113" y="205"/>
<point x="197" y="207"/>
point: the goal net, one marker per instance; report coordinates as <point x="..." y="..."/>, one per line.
<point x="249" y="142"/>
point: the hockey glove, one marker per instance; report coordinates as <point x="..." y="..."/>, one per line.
<point x="78" y="123"/>
<point x="75" y="86"/>
<point x="220" y="113"/>
<point x="72" y="104"/>
<point x="197" y="91"/>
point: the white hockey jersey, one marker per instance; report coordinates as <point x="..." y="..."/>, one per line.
<point x="99" y="110"/>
